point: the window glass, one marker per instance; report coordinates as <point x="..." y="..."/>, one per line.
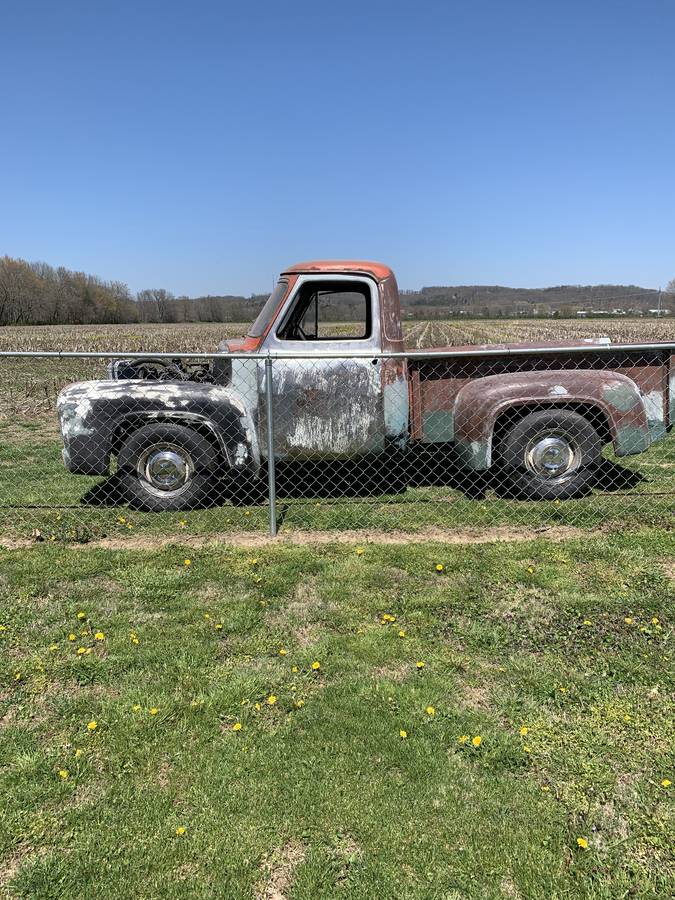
<point x="328" y="311"/>
<point x="265" y="315"/>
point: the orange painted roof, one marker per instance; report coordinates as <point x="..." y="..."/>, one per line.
<point x="378" y="270"/>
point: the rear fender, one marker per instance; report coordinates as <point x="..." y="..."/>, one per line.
<point x="480" y="403"/>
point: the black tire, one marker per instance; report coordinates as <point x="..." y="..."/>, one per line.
<point x="550" y="455"/>
<point x="181" y="460"/>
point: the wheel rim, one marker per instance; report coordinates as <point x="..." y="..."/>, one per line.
<point x="552" y="456"/>
<point x="165" y="470"/>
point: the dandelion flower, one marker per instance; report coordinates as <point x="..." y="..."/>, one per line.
<point x="359" y="551"/>
<point x="628" y="620"/>
<point x="299" y="703"/>
<point x="295" y="668"/>
<point x="316" y="665"/>
<point x="81" y="615"/>
<point x="99" y="636"/>
<point x="526" y="749"/>
<point x="180" y="831"/>
<point x="71" y="636"/>
<point x="582" y="842"/>
<point x="136" y="707"/>
<point x="121" y="520"/>
<point x="523" y="730"/>
<point x="81" y="650"/>
<point x="253" y="562"/>
<point x="655" y="620"/>
<point x="133" y="637"/>
<point x="271" y="700"/>
<point x="666" y="783"/>
<point x="248" y="512"/>
<point x="282" y="651"/>
<point x="182" y="523"/>
<point x="236" y="726"/>
<point x="401" y="633"/>
<point x="403" y="734"/>
<point x="420" y="664"/>
<point x="187" y="562"/>
<point x="154" y="710"/>
<point x="219" y="626"/>
<point x="78" y="753"/>
<point x="92" y="726"/>
<point x="477" y="741"/>
<point x="63" y="773"/>
<point x="258" y="706"/>
<point x="463" y="738"/>
<point x="587" y="622"/>
<point x="440" y="567"/>
<point x="54" y="647"/>
<point x="430" y="711"/>
<point x="207" y="616"/>
<point x="530" y="569"/>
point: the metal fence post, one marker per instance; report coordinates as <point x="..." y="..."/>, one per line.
<point x="271" y="471"/>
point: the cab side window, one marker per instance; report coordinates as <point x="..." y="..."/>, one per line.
<point x="328" y="311"/>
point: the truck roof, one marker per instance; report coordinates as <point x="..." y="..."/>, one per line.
<point x="376" y="270"/>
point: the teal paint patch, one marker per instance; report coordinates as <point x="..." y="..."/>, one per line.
<point x="657" y="431"/>
<point x="630" y="439"/>
<point x="620" y="396"/>
<point x="475" y="456"/>
<point x="438" y="426"/>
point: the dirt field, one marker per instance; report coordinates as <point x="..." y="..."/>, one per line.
<point x="205" y="337"/>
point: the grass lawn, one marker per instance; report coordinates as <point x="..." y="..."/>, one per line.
<point x="362" y="682"/>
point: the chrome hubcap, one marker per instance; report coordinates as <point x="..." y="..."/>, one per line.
<point x="551" y="457"/>
<point x="165" y="468"/>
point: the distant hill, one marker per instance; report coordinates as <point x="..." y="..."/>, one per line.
<point x="39" y="294"/>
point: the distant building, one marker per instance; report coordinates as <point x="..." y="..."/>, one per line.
<point x="658" y="312"/>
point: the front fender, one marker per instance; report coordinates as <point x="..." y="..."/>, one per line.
<point x="93" y="413"/>
<point x="480" y="402"/>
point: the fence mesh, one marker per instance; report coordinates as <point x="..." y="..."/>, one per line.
<point x="93" y="446"/>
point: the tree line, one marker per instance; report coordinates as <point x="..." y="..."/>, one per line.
<point x="35" y="293"/>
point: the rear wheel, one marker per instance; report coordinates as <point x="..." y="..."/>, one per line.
<point x="166" y="468"/>
<point x="550" y="455"/>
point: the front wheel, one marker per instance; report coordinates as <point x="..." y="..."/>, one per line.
<point x="166" y="468"/>
<point x="550" y="455"/>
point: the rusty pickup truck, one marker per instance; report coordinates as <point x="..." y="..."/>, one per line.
<point x="342" y="387"/>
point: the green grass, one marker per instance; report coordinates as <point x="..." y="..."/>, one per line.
<point x="318" y="795"/>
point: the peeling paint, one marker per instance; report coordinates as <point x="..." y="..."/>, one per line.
<point x="621" y="395"/>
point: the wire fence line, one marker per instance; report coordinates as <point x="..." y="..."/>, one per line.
<point x="96" y="443"/>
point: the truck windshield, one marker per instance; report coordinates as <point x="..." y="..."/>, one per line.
<point x="265" y="315"/>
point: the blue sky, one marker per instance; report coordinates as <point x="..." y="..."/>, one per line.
<point x="202" y="146"/>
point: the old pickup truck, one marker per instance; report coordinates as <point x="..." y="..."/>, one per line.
<point x="339" y="386"/>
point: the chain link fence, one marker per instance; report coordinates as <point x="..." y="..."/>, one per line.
<point x="96" y="444"/>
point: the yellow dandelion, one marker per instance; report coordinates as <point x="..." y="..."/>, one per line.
<point x="84" y="632"/>
<point x="271" y="700"/>
<point x="3" y="628"/>
<point x="403" y="734"/>
<point x="154" y="710"/>
<point x="420" y="664"/>
<point x="545" y="788"/>
<point x="627" y="718"/>
<point x="477" y="741"/>
<point x="299" y="703"/>
<point x="180" y="831"/>
<point x="582" y="842"/>
<point x="359" y="551"/>
<point x="121" y="520"/>
<point x="63" y="773"/>
<point x="463" y="738"/>
<point x="295" y="668"/>
<point x="182" y="523"/>
<point x="81" y="615"/>
<point x="92" y="726"/>
<point x="523" y="730"/>
<point x="628" y="620"/>
<point x="655" y="620"/>
<point x="282" y="651"/>
<point x="316" y="665"/>
<point x="78" y="753"/>
<point x="440" y="567"/>
<point x="666" y="783"/>
<point x="133" y="637"/>
<point x="71" y="636"/>
<point x="253" y="562"/>
<point x="99" y="636"/>
<point x="187" y="562"/>
<point x="563" y="690"/>
<point x="236" y="726"/>
<point x="401" y="633"/>
<point x="248" y="512"/>
<point x="81" y="650"/>
<point x="258" y="706"/>
<point x="54" y="647"/>
<point x="207" y="616"/>
<point x="526" y="749"/>
<point x="587" y="622"/>
<point x="136" y="707"/>
<point x="430" y="711"/>
<point x="530" y="569"/>
<point x="218" y="626"/>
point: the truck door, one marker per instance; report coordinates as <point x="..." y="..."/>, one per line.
<point x="327" y="408"/>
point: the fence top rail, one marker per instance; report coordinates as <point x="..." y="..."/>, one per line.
<point x="550" y="350"/>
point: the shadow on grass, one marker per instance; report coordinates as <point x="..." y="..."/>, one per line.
<point x="368" y="477"/>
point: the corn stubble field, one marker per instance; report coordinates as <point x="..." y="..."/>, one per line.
<point x="183" y="716"/>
